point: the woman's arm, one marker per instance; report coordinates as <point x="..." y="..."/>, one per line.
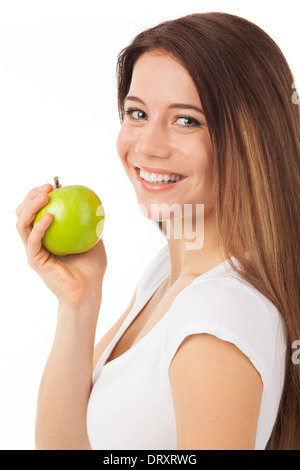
<point x="67" y="380"/>
<point x="76" y="281"/>
<point x="217" y="394"/>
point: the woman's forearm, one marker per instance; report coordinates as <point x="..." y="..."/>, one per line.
<point x="67" y="380"/>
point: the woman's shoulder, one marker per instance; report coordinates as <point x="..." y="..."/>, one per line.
<point x="232" y="310"/>
<point x="217" y="295"/>
<point x="222" y="294"/>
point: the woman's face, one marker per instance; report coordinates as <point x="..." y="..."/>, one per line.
<point x="164" y="136"/>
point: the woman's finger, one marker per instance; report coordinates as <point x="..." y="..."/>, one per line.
<point x="36" y="253"/>
<point x="33" y="194"/>
<point x="24" y="223"/>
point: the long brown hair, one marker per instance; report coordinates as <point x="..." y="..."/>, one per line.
<point x="245" y="87"/>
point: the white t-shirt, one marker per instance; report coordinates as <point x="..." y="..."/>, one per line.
<point x="131" y="405"/>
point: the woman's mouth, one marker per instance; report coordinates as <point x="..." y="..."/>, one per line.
<point x="157" y="181"/>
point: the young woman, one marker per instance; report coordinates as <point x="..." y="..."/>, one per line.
<point x="201" y="359"/>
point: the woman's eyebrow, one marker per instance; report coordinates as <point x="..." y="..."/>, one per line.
<point x="135" y="98"/>
<point x="171" y="106"/>
<point x="186" y="106"/>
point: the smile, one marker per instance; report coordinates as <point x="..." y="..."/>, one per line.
<point x="158" y="178"/>
<point x="157" y="181"/>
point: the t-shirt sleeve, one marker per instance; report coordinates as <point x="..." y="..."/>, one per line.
<point x="229" y="310"/>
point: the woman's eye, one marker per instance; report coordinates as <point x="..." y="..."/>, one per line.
<point x="135" y="114"/>
<point x="186" y="121"/>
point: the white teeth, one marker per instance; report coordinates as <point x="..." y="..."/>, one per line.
<point x="156" y="178"/>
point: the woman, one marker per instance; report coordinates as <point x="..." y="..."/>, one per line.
<point x="201" y="359"/>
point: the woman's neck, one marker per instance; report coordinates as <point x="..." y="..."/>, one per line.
<point x="193" y="256"/>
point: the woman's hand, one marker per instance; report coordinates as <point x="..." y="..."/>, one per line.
<point x="72" y="278"/>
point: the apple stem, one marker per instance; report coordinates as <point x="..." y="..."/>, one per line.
<point x="56" y="181"/>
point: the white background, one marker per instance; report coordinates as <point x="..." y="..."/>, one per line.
<point x="58" y="115"/>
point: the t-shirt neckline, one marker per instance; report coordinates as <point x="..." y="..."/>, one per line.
<point x="139" y="303"/>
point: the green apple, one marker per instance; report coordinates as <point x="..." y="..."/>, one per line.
<point x="78" y="220"/>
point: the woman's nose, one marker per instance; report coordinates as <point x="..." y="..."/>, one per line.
<point x="153" y="140"/>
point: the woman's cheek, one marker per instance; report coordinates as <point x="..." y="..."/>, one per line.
<point x="120" y="143"/>
<point x="125" y="142"/>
